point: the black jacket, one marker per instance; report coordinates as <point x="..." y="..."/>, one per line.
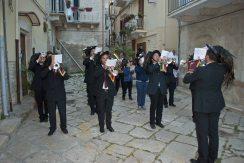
<point x="206" y="83"/>
<point x="36" y="68"/>
<point x="86" y="63"/>
<point x="170" y="72"/>
<point x="157" y="79"/>
<point x="55" y="84"/>
<point x="90" y="78"/>
<point x="99" y="80"/>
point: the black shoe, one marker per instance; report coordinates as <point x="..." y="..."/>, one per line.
<point x="44" y="119"/>
<point x="160" y="125"/>
<point x="110" y="128"/>
<point x="50" y="133"/>
<point x="172" y="105"/>
<point x="64" y="130"/>
<point x="102" y="130"/>
<point x="152" y="126"/>
<point x="123" y="98"/>
<point x="130" y="98"/>
<point x="165" y="106"/>
<point x="193" y="161"/>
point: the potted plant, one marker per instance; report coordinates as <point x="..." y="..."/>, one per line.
<point x="74" y="8"/>
<point x="88" y="9"/>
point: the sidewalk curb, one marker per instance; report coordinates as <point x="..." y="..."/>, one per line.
<point x="10" y="125"/>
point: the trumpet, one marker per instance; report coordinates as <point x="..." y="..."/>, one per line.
<point x="56" y="66"/>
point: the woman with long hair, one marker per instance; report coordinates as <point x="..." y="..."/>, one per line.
<point x="208" y="99"/>
<point x="157" y="88"/>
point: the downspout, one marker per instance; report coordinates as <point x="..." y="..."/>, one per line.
<point x="103" y="29"/>
<point x="179" y="39"/>
<point x="3" y="54"/>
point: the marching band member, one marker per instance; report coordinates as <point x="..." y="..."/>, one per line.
<point x="105" y="92"/>
<point x="141" y="82"/>
<point x="36" y="65"/>
<point x="172" y="82"/>
<point x="55" y="75"/>
<point x="120" y="77"/>
<point x="89" y="78"/>
<point x="128" y="81"/>
<point x="156" y="88"/>
<point x="208" y="99"/>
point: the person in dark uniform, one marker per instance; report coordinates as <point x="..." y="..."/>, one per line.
<point x="208" y="99"/>
<point x="120" y="78"/>
<point x="156" y="88"/>
<point x="36" y="65"/>
<point x="105" y="92"/>
<point x="56" y="95"/>
<point x="172" y="82"/>
<point x="89" y="78"/>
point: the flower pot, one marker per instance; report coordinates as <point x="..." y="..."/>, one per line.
<point x="81" y="9"/>
<point x="88" y="9"/>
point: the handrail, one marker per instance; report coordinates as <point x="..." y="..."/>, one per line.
<point x="70" y="55"/>
<point x="40" y="7"/>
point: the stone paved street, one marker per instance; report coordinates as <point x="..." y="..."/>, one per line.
<point x="132" y="142"/>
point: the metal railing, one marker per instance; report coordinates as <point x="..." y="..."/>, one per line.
<point x="56" y="6"/>
<point x="64" y="50"/>
<point x="83" y="17"/>
<point x="175" y="5"/>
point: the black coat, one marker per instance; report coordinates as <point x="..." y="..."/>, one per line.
<point x="157" y="79"/>
<point x="170" y="72"/>
<point x="206" y="83"/>
<point x="99" y="80"/>
<point x="55" y="84"/>
<point x="86" y="63"/>
<point x="90" y="77"/>
<point x="36" y="68"/>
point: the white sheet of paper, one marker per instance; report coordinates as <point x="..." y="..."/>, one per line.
<point x="171" y="55"/>
<point x="98" y="49"/>
<point x="199" y="53"/>
<point x="58" y="58"/>
<point x="164" y="54"/>
<point x="111" y="62"/>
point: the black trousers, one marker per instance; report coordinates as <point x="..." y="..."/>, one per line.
<point x="156" y="106"/>
<point x="61" y="104"/>
<point x="104" y="109"/>
<point x="119" y="80"/>
<point x="207" y="136"/>
<point x="41" y="103"/>
<point x="192" y="101"/>
<point x="91" y="98"/>
<point x="127" y="86"/>
<point x="171" y="88"/>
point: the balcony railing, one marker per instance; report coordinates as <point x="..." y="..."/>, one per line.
<point x="82" y="17"/>
<point x="56" y="6"/>
<point x="175" y="5"/>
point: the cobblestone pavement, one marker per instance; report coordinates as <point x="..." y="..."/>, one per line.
<point x="133" y="141"/>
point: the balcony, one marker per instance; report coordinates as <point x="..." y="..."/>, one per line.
<point x="82" y="17"/>
<point x="121" y="3"/>
<point x="136" y="26"/>
<point x="192" y="10"/>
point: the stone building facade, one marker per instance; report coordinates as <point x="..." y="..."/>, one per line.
<point x="146" y="23"/>
<point x="215" y="23"/>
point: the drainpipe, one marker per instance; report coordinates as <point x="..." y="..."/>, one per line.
<point x="103" y="29"/>
<point x="179" y="37"/>
<point x="3" y="66"/>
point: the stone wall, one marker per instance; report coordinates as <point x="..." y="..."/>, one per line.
<point x="226" y="31"/>
<point x="75" y="40"/>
